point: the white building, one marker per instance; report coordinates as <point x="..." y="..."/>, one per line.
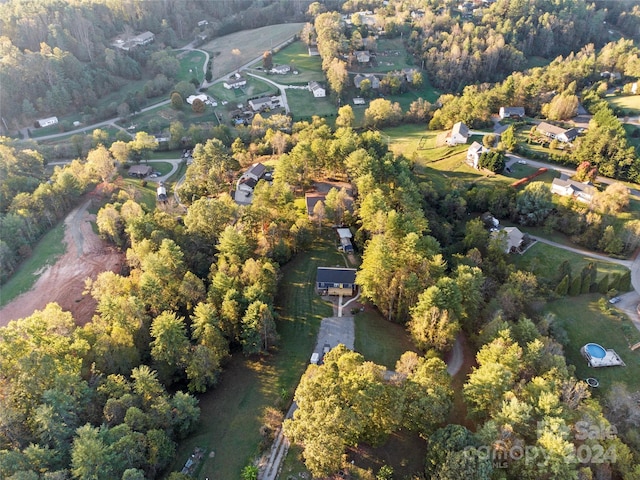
<point x="45" y="122"/>
<point x="317" y="90"/>
<point x="202" y="97"/>
<point x="473" y="154"/>
<point x="234" y="81"/>
<point x="583" y="192"/>
<point x="458" y="135"/>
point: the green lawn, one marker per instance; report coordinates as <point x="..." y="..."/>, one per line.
<point x="379" y="340"/>
<point x="191" y="63"/>
<point x="630" y="104"/>
<point x="304" y="105"/>
<point x="254" y="88"/>
<point x="631" y="131"/>
<point x="45" y="253"/>
<point x="297" y="57"/>
<point x="231" y="51"/>
<point x="230" y="419"/>
<point x="585" y="322"/>
<point x="544" y="260"/>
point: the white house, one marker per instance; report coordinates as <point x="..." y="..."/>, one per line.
<point x="202" y="97"/>
<point x="280" y="69"/>
<point x="583" y="192"/>
<point x="45" y="122"/>
<point x="458" y="135"/>
<point x="558" y="133"/>
<point x="473" y="154"/>
<point x="362" y="56"/>
<point x="511" y="112"/>
<point x="317" y="90"/>
<point x="234" y="81"/>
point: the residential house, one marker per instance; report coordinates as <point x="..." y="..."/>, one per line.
<point x="511" y="112"/>
<point x="358" y="79"/>
<point x="513" y="238"/>
<point x="140" y="171"/>
<point x="311" y="199"/>
<point x="358" y="101"/>
<point x="583" y="192"/>
<point x="317" y="89"/>
<point x="362" y="56"/>
<point x="558" y="133"/>
<point x="202" y="97"/>
<point x="46" y="122"/>
<point x="203" y="23"/>
<point x="127" y="43"/>
<point x="280" y="69"/>
<point x="473" y="154"/>
<point x="247" y="183"/>
<point x="458" y="135"/>
<point x="336" y="281"/>
<point x="234" y="81"/>
<point x="259" y="104"/>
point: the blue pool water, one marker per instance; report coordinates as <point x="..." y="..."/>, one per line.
<point x="595" y="350"/>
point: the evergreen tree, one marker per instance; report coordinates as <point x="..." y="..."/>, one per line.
<point x="563" y="287"/>
<point x="576" y="286"/>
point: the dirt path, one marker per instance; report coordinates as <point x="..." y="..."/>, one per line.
<point x="86" y="256"/>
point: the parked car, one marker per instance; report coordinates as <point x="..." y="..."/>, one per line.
<point x="614" y="300"/>
<point x="326" y="348"/>
<point x="155" y="172"/>
<point x="315" y="358"/>
<point x="522" y="162"/>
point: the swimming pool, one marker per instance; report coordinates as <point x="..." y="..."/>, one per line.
<point x="595" y="350"/>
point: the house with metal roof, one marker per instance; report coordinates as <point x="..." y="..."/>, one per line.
<point x="336" y="281"/>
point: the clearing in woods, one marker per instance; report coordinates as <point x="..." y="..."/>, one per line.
<point x="250" y="43"/>
<point x="87" y="255"/>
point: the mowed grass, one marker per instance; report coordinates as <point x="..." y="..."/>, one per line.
<point x="304" y="105"/>
<point x="379" y="340"/>
<point x="191" y="65"/>
<point x="251" y="44"/>
<point x="544" y="261"/>
<point x="584" y="322"/>
<point x="231" y="413"/>
<point x="254" y="88"/>
<point x="45" y="253"/>
<point x="630" y="104"/>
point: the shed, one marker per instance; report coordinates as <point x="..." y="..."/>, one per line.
<point x="344" y="233"/>
<point x="336" y="281"/>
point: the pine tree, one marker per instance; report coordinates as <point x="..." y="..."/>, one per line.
<point x="603" y="284"/>
<point x="614" y="284"/>
<point x="625" y="282"/>
<point x="563" y="287"/>
<point x="576" y="286"/>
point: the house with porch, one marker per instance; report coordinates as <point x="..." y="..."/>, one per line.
<point x="557" y="133"/>
<point x="583" y="192"/>
<point x="336" y="281"/>
<point x="473" y="154"/>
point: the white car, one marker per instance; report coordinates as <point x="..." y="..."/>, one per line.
<point x="614" y="300"/>
<point x="522" y="162"/>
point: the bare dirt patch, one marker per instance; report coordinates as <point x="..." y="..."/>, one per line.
<point x="87" y="256"/>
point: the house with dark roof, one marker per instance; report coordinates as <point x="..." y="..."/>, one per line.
<point x="247" y="183"/>
<point x="360" y="77"/>
<point x="583" y="192"/>
<point x="557" y="133"/>
<point x="258" y="104"/>
<point x="234" y="81"/>
<point x="336" y="281"/>
<point x="511" y="112"/>
<point x="140" y="171"/>
<point x="311" y="199"/>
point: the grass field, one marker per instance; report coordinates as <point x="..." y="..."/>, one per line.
<point x="630" y="104"/>
<point x="631" y="131"/>
<point x="48" y="249"/>
<point x="304" y="105"/>
<point x="584" y="322"/>
<point x="191" y="63"/>
<point x="543" y="260"/>
<point x="250" y="43"/>
<point x="254" y="88"/>
<point x="230" y="419"/>
<point x="379" y="340"/>
<point x="297" y="57"/>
